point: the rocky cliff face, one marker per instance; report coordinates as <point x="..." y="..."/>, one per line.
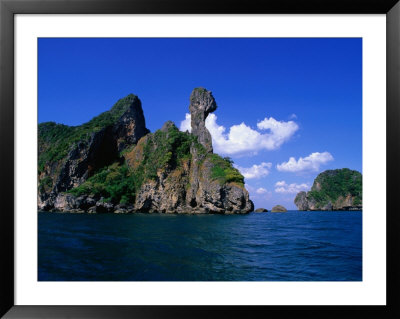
<point x="339" y="189"/>
<point x="131" y="126"/>
<point x="95" y="145"/>
<point x="202" y="103"/>
<point x="166" y="171"/>
<point x="184" y="183"/>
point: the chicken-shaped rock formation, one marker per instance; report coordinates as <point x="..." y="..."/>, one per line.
<point x="202" y="103"/>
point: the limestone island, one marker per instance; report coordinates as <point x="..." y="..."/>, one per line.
<point x="261" y="210"/>
<point x="339" y="189"/>
<point x="278" y="209"/>
<point x="113" y="164"/>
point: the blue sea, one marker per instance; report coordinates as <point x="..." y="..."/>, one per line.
<point x="292" y="246"/>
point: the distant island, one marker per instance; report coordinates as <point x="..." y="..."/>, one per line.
<point x="113" y="164"/>
<point x="278" y="209"/>
<point x="339" y="189"/>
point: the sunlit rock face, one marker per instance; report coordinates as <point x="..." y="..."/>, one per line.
<point x="202" y="103"/>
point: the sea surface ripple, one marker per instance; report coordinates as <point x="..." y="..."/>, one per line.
<point x="292" y="246"/>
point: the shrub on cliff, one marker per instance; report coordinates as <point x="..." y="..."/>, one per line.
<point x="224" y="172"/>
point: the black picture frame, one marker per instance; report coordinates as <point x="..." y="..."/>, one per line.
<point x="8" y="8"/>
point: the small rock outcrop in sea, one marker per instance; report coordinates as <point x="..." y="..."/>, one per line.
<point x="339" y="189"/>
<point x="261" y="210"/>
<point x="278" y="209"/>
<point x="119" y="167"/>
<point x="202" y="103"/>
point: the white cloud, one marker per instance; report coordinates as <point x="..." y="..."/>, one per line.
<point x="284" y="188"/>
<point x="261" y="190"/>
<point x="258" y="193"/>
<point x="293" y="116"/>
<point x="281" y="183"/>
<point x="255" y="171"/>
<point x="242" y="139"/>
<point x="310" y="163"/>
<point x="185" y="124"/>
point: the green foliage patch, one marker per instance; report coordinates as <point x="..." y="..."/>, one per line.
<point x="45" y="183"/>
<point x="115" y="183"/>
<point x="165" y="150"/>
<point x="223" y="171"/>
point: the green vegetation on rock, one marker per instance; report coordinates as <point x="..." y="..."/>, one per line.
<point x="339" y="189"/>
<point x="331" y="184"/>
<point x="45" y="183"/>
<point x="224" y="172"/>
<point x="56" y="140"/>
<point x="165" y="150"/>
<point x="115" y="183"/>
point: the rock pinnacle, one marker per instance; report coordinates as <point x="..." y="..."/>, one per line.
<point x="202" y="103"/>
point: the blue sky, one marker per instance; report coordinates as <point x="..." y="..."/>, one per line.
<point x="291" y="108"/>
